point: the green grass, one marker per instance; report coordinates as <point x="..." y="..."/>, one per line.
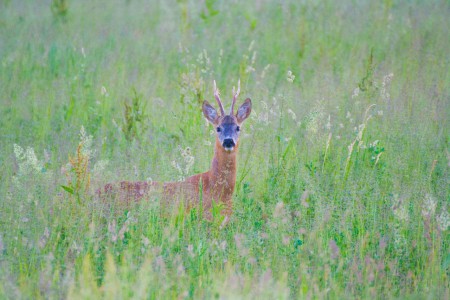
<point x="343" y="176"/>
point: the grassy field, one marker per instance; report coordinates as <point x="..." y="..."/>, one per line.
<point x="343" y="170"/>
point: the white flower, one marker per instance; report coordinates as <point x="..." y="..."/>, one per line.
<point x="399" y="209"/>
<point x="428" y="206"/>
<point x="443" y="220"/>
<point x="104" y="92"/>
<point x="355" y="93"/>
<point x="290" y="76"/>
<point x="384" y="86"/>
<point x="86" y="142"/>
<point x="292" y="114"/>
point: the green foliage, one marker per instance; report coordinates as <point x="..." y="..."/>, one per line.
<point x="134" y="117"/>
<point x="367" y="81"/>
<point x="343" y="165"/>
<point x="209" y="10"/>
<point x="60" y="8"/>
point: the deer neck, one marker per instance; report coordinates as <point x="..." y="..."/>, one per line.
<point x="223" y="168"/>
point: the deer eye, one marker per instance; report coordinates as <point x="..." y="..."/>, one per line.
<point x="218" y="129"/>
<point x="238" y="128"/>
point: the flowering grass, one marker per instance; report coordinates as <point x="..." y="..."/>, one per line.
<point x="343" y="166"/>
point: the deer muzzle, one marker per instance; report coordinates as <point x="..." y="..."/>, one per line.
<point x="228" y="144"/>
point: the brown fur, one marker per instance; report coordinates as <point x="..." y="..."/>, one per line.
<point x="217" y="184"/>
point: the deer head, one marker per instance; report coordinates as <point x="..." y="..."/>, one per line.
<point x="227" y="126"/>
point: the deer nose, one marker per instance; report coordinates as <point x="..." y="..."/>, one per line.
<point x="228" y="143"/>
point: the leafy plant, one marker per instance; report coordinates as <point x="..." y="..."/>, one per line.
<point x="367" y="82"/>
<point x="60" y="8"/>
<point x="134" y="117"/>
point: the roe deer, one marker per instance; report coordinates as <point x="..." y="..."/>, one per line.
<point x="217" y="184"/>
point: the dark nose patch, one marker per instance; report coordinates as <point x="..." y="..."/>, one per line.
<point x="228" y="143"/>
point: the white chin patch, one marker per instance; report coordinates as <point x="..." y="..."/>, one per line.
<point x="229" y="149"/>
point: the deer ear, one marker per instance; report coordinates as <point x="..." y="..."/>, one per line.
<point x="244" y="111"/>
<point x="209" y="112"/>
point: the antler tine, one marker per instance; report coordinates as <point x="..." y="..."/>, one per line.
<point x="217" y="96"/>
<point x="235" y="96"/>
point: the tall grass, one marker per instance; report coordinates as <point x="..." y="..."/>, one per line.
<point x="342" y="187"/>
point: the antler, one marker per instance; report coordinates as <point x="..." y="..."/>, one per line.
<point x="235" y="96"/>
<point x="217" y="96"/>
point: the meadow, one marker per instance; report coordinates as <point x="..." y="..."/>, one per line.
<point x="343" y="168"/>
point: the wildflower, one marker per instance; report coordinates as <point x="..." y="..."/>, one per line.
<point x="400" y="212"/>
<point x="27" y="161"/>
<point x="104" y="92"/>
<point x="443" y="220"/>
<point x="188" y="162"/>
<point x="355" y="93"/>
<point x="312" y="125"/>
<point x="374" y="144"/>
<point x="428" y="206"/>
<point x="32" y="160"/>
<point x="292" y="114"/>
<point x="86" y="142"/>
<point x="18" y="151"/>
<point x="99" y="167"/>
<point x="384" y="86"/>
<point x="290" y="76"/>
<point x="399" y="209"/>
